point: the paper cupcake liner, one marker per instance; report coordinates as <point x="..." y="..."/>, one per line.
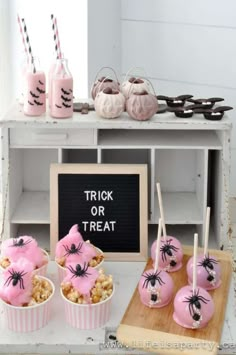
<point x="28" y="319"/>
<point x="42" y="271"/>
<point x="62" y="270"/>
<point x="87" y="316"/>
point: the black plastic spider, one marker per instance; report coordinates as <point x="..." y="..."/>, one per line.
<point x="79" y="271"/>
<point x="20" y="243"/>
<point x="152" y="277"/>
<point x="15" y="277"/>
<point x="73" y="249"/>
<point x="195" y="300"/>
<point x="207" y="263"/>
<point x="167" y="248"/>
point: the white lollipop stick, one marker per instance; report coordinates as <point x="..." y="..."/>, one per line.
<point x="158" y="244"/>
<point x="161" y="209"/>
<point x="207" y="229"/>
<point x="195" y="261"/>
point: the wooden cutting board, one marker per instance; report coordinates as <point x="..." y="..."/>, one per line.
<point x="155" y="330"/>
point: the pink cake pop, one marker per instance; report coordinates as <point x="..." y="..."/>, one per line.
<point x="73" y="248"/>
<point x="193" y="306"/>
<point x="156" y="286"/>
<point x="26" y="247"/>
<point x="208" y="267"/>
<point x="171" y="248"/>
<point x="16" y="287"/>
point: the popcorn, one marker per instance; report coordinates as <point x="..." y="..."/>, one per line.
<point x="100" y="291"/>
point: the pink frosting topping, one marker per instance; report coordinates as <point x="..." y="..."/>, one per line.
<point x="26" y="247"/>
<point x="16" y="286"/>
<point x="73" y="247"/>
<point x="82" y="277"/>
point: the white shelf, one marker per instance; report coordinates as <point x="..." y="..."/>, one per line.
<point x="171" y="139"/>
<point x="41" y="232"/>
<point x="32" y="207"/>
<point x="180" y="208"/>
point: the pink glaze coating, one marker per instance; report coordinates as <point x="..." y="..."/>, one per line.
<point x="169" y="263"/>
<point x="184" y="311"/>
<point x="208" y="272"/>
<point x="16" y="286"/>
<point x="73" y="247"/>
<point x="24" y="247"/>
<point x="155" y="288"/>
<point x="82" y="277"/>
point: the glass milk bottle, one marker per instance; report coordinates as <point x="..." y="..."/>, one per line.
<point x="34" y="91"/>
<point x="62" y="91"/>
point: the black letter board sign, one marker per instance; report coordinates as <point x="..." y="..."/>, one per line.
<point x="109" y="204"/>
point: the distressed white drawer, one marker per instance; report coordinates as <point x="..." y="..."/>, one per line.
<point x="21" y="137"/>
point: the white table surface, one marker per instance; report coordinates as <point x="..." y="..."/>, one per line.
<point x="59" y="338"/>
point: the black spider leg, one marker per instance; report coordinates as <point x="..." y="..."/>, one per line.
<point x="40" y="82"/>
<point x="163" y="256"/>
<point x="22" y="281"/>
<point x="29" y="102"/>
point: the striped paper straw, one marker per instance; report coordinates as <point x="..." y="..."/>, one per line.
<point x="29" y="46"/>
<point x="56" y="37"/>
<point x="22" y="37"/>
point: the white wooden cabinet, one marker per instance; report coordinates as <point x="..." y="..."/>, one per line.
<point x="190" y="158"/>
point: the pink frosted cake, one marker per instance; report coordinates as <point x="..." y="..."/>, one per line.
<point x="155" y="288"/>
<point x="208" y="272"/>
<point x="72" y="248"/>
<point x="193" y="309"/>
<point x="23" y="246"/>
<point x="171" y="254"/>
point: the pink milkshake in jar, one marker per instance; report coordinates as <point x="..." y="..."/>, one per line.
<point x="62" y="91"/>
<point x="34" y="91"/>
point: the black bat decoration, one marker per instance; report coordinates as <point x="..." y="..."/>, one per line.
<point x="33" y="95"/>
<point x="185" y="111"/>
<point x="215" y="114"/>
<point x="65" y="98"/>
<point x="40" y="90"/>
<point x="207" y="103"/>
<point x="65" y="92"/>
<point x="176" y="101"/>
<point x="38" y="103"/>
<point x="66" y="106"/>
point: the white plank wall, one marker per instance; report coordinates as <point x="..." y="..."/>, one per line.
<point x="185" y="47"/>
<point x="104" y="38"/>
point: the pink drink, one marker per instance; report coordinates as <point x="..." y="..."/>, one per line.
<point x="62" y="90"/>
<point x="62" y="97"/>
<point x="50" y="75"/>
<point x="34" y="94"/>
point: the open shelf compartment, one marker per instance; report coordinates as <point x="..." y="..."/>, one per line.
<point x="184" y="192"/>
